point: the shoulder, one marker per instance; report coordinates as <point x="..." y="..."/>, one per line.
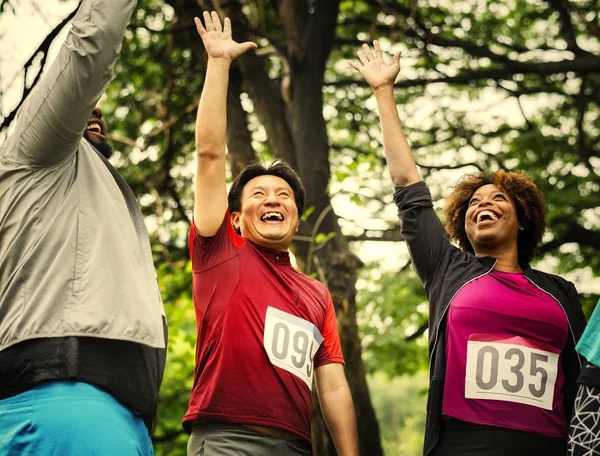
<point x="552" y="279"/>
<point x="314" y="284"/>
<point x="318" y="292"/>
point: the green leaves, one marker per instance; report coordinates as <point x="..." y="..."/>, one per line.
<point x="488" y="86"/>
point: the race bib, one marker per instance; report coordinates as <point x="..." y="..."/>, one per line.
<point x="291" y="343"/>
<point x="513" y="369"/>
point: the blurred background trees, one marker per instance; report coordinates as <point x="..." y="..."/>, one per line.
<point x="509" y="84"/>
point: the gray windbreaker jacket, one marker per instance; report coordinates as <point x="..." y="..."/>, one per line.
<point x="75" y="256"/>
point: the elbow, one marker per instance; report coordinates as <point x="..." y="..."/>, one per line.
<point x="209" y="154"/>
<point x="400" y="179"/>
<point x="103" y="20"/>
<point x="403" y="181"/>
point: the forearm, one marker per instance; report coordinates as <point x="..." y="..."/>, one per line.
<point x="338" y="411"/>
<point x="52" y="120"/>
<point x="211" y="137"/>
<point x="211" y="121"/>
<point x="400" y="162"/>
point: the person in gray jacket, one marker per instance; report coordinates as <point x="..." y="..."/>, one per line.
<point x="82" y="326"/>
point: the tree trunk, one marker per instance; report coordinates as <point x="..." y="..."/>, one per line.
<point x="297" y="134"/>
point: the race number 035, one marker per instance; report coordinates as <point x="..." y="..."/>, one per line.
<point x="291" y="343"/>
<point x="511" y="369"/>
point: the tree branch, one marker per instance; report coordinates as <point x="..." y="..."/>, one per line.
<point x="567" y="30"/>
<point x="418" y="333"/>
<point x="43" y="49"/>
<point x="583" y="65"/>
<point x="574" y="233"/>
<point x="265" y="93"/>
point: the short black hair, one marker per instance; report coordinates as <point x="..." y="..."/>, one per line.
<point x="278" y="168"/>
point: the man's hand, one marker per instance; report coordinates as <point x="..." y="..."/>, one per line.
<point x="217" y="39"/>
<point x="374" y="69"/>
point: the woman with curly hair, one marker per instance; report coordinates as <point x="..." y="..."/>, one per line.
<point x="503" y="365"/>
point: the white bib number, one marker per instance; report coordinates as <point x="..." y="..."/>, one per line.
<point x="511" y="369"/>
<point x="291" y="343"/>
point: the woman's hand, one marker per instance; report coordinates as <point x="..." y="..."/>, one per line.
<point x="374" y="69"/>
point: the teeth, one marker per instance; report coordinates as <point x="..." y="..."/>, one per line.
<point x="490" y="214"/>
<point x="94" y="127"/>
<point x="272" y="215"/>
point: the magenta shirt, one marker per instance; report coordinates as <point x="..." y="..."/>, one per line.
<point x="503" y="340"/>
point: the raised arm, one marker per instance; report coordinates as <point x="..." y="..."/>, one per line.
<point x="381" y="76"/>
<point x="52" y="120"/>
<point x="211" y="122"/>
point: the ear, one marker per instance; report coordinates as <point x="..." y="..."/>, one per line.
<point x="235" y="220"/>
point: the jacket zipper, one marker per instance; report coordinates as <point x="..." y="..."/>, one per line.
<point x="437" y="333"/>
<point x="566" y="316"/>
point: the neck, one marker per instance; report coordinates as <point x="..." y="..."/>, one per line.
<point x="506" y="261"/>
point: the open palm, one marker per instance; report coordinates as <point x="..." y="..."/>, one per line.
<point x="376" y="71"/>
<point x="217" y="39"/>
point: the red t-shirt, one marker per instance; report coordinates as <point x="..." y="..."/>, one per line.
<point x="503" y="346"/>
<point x="262" y="329"/>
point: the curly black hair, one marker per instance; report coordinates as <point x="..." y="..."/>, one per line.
<point x="530" y="207"/>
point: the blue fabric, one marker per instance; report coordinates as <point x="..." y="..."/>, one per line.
<point x="67" y="418"/>
<point x="589" y="344"/>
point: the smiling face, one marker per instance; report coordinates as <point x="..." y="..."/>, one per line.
<point x="491" y="220"/>
<point x="95" y="133"/>
<point x="268" y="215"/>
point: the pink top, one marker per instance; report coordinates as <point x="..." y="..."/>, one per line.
<point x="503" y="343"/>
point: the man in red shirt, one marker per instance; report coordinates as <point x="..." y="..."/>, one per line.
<point x="263" y="327"/>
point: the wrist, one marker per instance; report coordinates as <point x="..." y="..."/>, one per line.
<point x="221" y="62"/>
<point x="383" y="90"/>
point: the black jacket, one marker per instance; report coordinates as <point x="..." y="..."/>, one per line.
<point x="444" y="270"/>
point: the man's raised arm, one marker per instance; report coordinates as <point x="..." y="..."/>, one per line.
<point x="52" y="120"/>
<point x="211" y="122"/>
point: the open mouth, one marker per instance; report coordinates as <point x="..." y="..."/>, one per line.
<point x="94" y="126"/>
<point x="272" y="217"/>
<point x="486" y="216"/>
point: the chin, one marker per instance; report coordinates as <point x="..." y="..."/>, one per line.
<point x="101" y="146"/>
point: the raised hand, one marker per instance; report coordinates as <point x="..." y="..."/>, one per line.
<point x="374" y="68"/>
<point x="217" y="39"/>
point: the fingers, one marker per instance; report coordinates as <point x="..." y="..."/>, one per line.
<point x="216" y="21"/>
<point x="354" y="65"/>
<point x="248" y="46"/>
<point x="212" y="23"/>
<point x="199" y="26"/>
<point x="227" y="26"/>
<point x="362" y="56"/>
<point x="396" y="58"/>
<point x="367" y="51"/>
<point x="378" y="53"/>
<point x="208" y="25"/>
<point x="366" y="55"/>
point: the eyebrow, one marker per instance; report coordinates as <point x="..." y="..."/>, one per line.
<point x="494" y="193"/>
<point x="277" y="189"/>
